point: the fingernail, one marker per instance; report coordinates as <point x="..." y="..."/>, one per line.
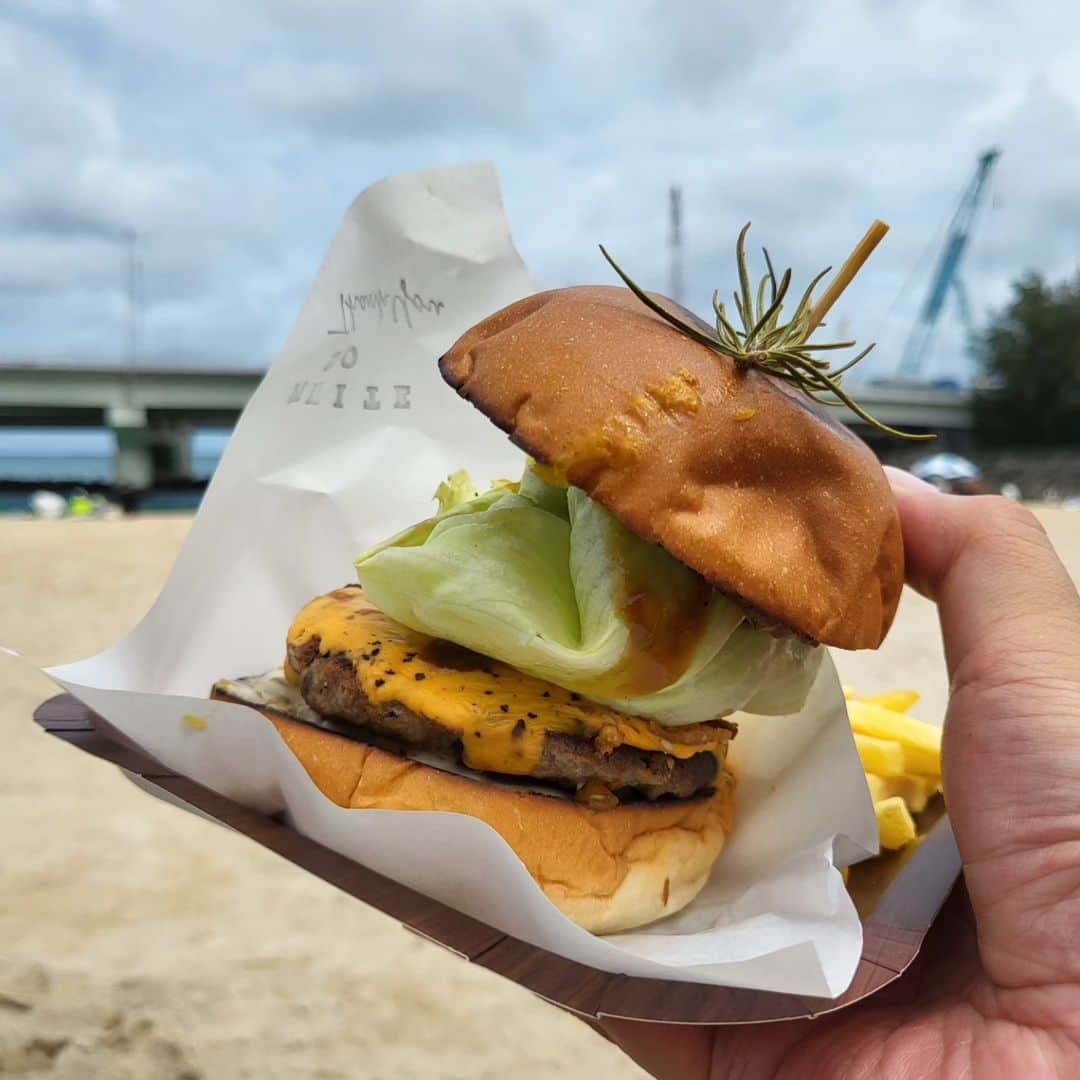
<point x="902" y="480"/>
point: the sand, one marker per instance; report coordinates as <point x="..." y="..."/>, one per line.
<point x="139" y="941"/>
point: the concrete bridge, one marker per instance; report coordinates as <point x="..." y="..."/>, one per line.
<point x="913" y="406"/>
<point x="152" y="410"/>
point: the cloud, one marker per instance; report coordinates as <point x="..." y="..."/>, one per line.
<point x="46" y="96"/>
<point x="230" y="137"/>
<point x="81" y="180"/>
<point x="405" y="71"/>
<point x="503" y="67"/>
<point x="333" y="98"/>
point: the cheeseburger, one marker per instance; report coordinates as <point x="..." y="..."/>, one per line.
<point x="559" y="655"/>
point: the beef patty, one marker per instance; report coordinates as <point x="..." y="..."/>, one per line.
<point x="328" y="683"/>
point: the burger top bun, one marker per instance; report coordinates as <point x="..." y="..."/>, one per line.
<point x="732" y="471"/>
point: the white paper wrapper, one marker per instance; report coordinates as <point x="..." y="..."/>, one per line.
<point x="343" y="443"/>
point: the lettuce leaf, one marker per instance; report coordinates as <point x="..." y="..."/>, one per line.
<point x="456" y="489"/>
<point x="548" y="581"/>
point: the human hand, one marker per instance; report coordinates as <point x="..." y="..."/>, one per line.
<point x="996" y="988"/>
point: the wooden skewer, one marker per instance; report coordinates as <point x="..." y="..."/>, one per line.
<point x="852" y="265"/>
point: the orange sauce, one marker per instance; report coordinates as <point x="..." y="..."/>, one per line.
<point x="549" y="474"/>
<point x="665" y="622"/>
<point x="663" y="636"/>
<point x="618" y="440"/>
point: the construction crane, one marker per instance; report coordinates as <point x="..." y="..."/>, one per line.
<point x="945" y="275"/>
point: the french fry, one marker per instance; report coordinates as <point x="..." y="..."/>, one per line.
<point x="901" y="757"/>
<point x="880" y="787"/>
<point x="921" y="790"/>
<point x="884" y="757"/>
<point x="916" y="791"/>
<point x="921" y="742"/>
<point x="895" y="825"/>
<point x="895" y="700"/>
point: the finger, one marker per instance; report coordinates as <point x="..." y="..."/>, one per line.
<point x="1001" y="590"/>
<point x="698" y="1052"/>
<point x="1010" y="620"/>
<point x="929" y="543"/>
<point x="664" y="1050"/>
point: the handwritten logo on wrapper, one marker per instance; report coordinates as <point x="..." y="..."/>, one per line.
<point x="400" y="308"/>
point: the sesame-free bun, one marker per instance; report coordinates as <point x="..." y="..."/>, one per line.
<point x="732" y="471"/>
<point x="607" y="870"/>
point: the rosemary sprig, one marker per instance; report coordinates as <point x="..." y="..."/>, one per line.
<point x="781" y="349"/>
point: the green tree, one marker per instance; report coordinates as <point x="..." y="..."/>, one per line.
<point x="1030" y="357"/>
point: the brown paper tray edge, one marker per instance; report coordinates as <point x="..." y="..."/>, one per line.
<point x="893" y="931"/>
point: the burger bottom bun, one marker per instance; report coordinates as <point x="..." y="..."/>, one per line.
<point x="607" y="870"/>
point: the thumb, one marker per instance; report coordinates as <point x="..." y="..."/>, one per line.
<point x="1010" y="619"/>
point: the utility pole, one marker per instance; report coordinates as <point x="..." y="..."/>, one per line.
<point x="134" y="300"/>
<point x="133" y="467"/>
<point x="675" y="279"/>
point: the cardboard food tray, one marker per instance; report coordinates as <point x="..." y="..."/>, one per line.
<point x="897" y="897"/>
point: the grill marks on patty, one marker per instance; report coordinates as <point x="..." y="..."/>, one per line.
<point x="329" y="684"/>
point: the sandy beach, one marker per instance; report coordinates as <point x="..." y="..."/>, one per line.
<point x="139" y="941"/>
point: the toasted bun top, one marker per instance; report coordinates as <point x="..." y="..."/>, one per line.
<point x="729" y="469"/>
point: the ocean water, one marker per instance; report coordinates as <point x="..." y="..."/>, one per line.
<point x="85" y="456"/>
<point x="88" y="469"/>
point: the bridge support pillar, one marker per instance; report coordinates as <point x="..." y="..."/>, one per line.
<point x="133" y="466"/>
<point x="170" y="451"/>
<point x="147" y="455"/>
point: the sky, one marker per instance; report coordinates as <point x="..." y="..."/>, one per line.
<point x="229" y="138"/>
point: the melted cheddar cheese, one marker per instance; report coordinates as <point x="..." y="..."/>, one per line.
<point x="501" y="716"/>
